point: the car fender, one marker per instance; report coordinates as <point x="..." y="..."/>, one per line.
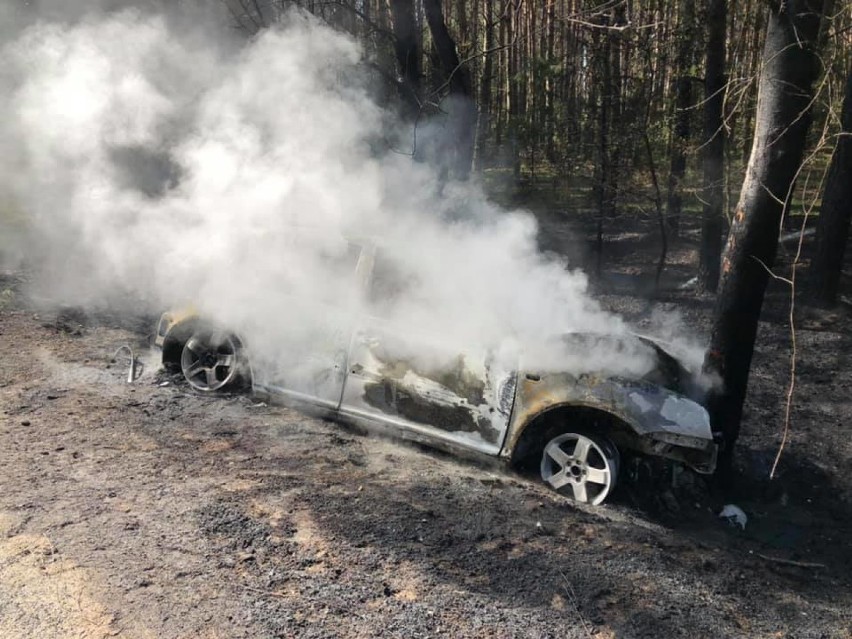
<point x="652" y="412"/>
<point x="173" y="321"/>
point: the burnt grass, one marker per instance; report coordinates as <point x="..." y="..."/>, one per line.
<point x="164" y="513"/>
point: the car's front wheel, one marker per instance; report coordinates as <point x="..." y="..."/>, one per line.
<point x="581" y="466"/>
<point x="212" y="360"/>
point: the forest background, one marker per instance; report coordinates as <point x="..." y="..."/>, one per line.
<point x="710" y="118"/>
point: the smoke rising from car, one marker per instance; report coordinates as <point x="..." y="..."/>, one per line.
<point x="147" y="163"/>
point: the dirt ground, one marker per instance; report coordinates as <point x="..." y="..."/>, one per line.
<point x="144" y="510"/>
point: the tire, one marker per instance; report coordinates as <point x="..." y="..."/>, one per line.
<point x="212" y="361"/>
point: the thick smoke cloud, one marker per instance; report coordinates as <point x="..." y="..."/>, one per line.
<point x="144" y="162"/>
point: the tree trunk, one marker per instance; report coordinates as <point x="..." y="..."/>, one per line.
<point x="513" y="111"/>
<point x="502" y="102"/>
<point x="484" y="126"/>
<point x="836" y="211"/>
<point x="549" y="87"/>
<point x="461" y="105"/>
<point x="782" y="121"/>
<point x="683" y="102"/>
<point x="406" y="48"/>
<point x="714" y="148"/>
<point x="605" y="197"/>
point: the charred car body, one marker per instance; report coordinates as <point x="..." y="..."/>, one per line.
<point x="572" y="427"/>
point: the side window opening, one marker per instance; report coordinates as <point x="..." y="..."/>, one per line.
<point x="387" y="285"/>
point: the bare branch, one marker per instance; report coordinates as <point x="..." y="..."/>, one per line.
<point x="235" y="15"/>
<point x="360" y="14"/>
<point x="770" y="272"/>
<point x="259" y="13"/>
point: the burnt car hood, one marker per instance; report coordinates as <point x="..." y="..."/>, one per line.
<point x="624" y="356"/>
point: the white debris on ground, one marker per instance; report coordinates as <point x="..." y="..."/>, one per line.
<point x="734" y="515"/>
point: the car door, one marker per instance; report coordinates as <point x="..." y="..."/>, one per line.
<point x="302" y="357"/>
<point x="411" y="380"/>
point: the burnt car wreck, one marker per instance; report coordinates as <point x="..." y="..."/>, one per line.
<point x="571" y="426"/>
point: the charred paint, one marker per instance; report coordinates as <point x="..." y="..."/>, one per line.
<point x="506" y="394"/>
<point x="393" y="398"/>
<point x="448" y="399"/>
<point x="539" y="394"/>
<point x="456" y="377"/>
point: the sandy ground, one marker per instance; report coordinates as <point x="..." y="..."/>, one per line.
<point x="144" y="510"/>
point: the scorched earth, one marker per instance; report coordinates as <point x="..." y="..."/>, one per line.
<point x="146" y="510"/>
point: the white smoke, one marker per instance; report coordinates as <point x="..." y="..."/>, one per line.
<point x="153" y="164"/>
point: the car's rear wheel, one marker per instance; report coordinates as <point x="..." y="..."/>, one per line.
<point x="581" y="466"/>
<point x="212" y="360"/>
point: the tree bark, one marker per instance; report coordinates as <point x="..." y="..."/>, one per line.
<point x="836" y="212"/>
<point x="714" y="148"/>
<point x="786" y="90"/>
<point x="461" y="105"/>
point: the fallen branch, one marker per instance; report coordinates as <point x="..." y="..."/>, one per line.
<point x="131" y="374"/>
<point x="791" y="562"/>
<point x="572" y="599"/>
<point x="268" y="593"/>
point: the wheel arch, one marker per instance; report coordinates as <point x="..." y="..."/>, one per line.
<point x="177" y="337"/>
<point x="569" y="417"/>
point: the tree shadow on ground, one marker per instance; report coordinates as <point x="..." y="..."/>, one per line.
<point x="503" y="545"/>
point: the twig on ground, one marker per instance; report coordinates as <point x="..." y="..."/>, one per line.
<point x="572" y="598"/>
<point x="268" y="593"/>
<point x="791" y="562"/>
